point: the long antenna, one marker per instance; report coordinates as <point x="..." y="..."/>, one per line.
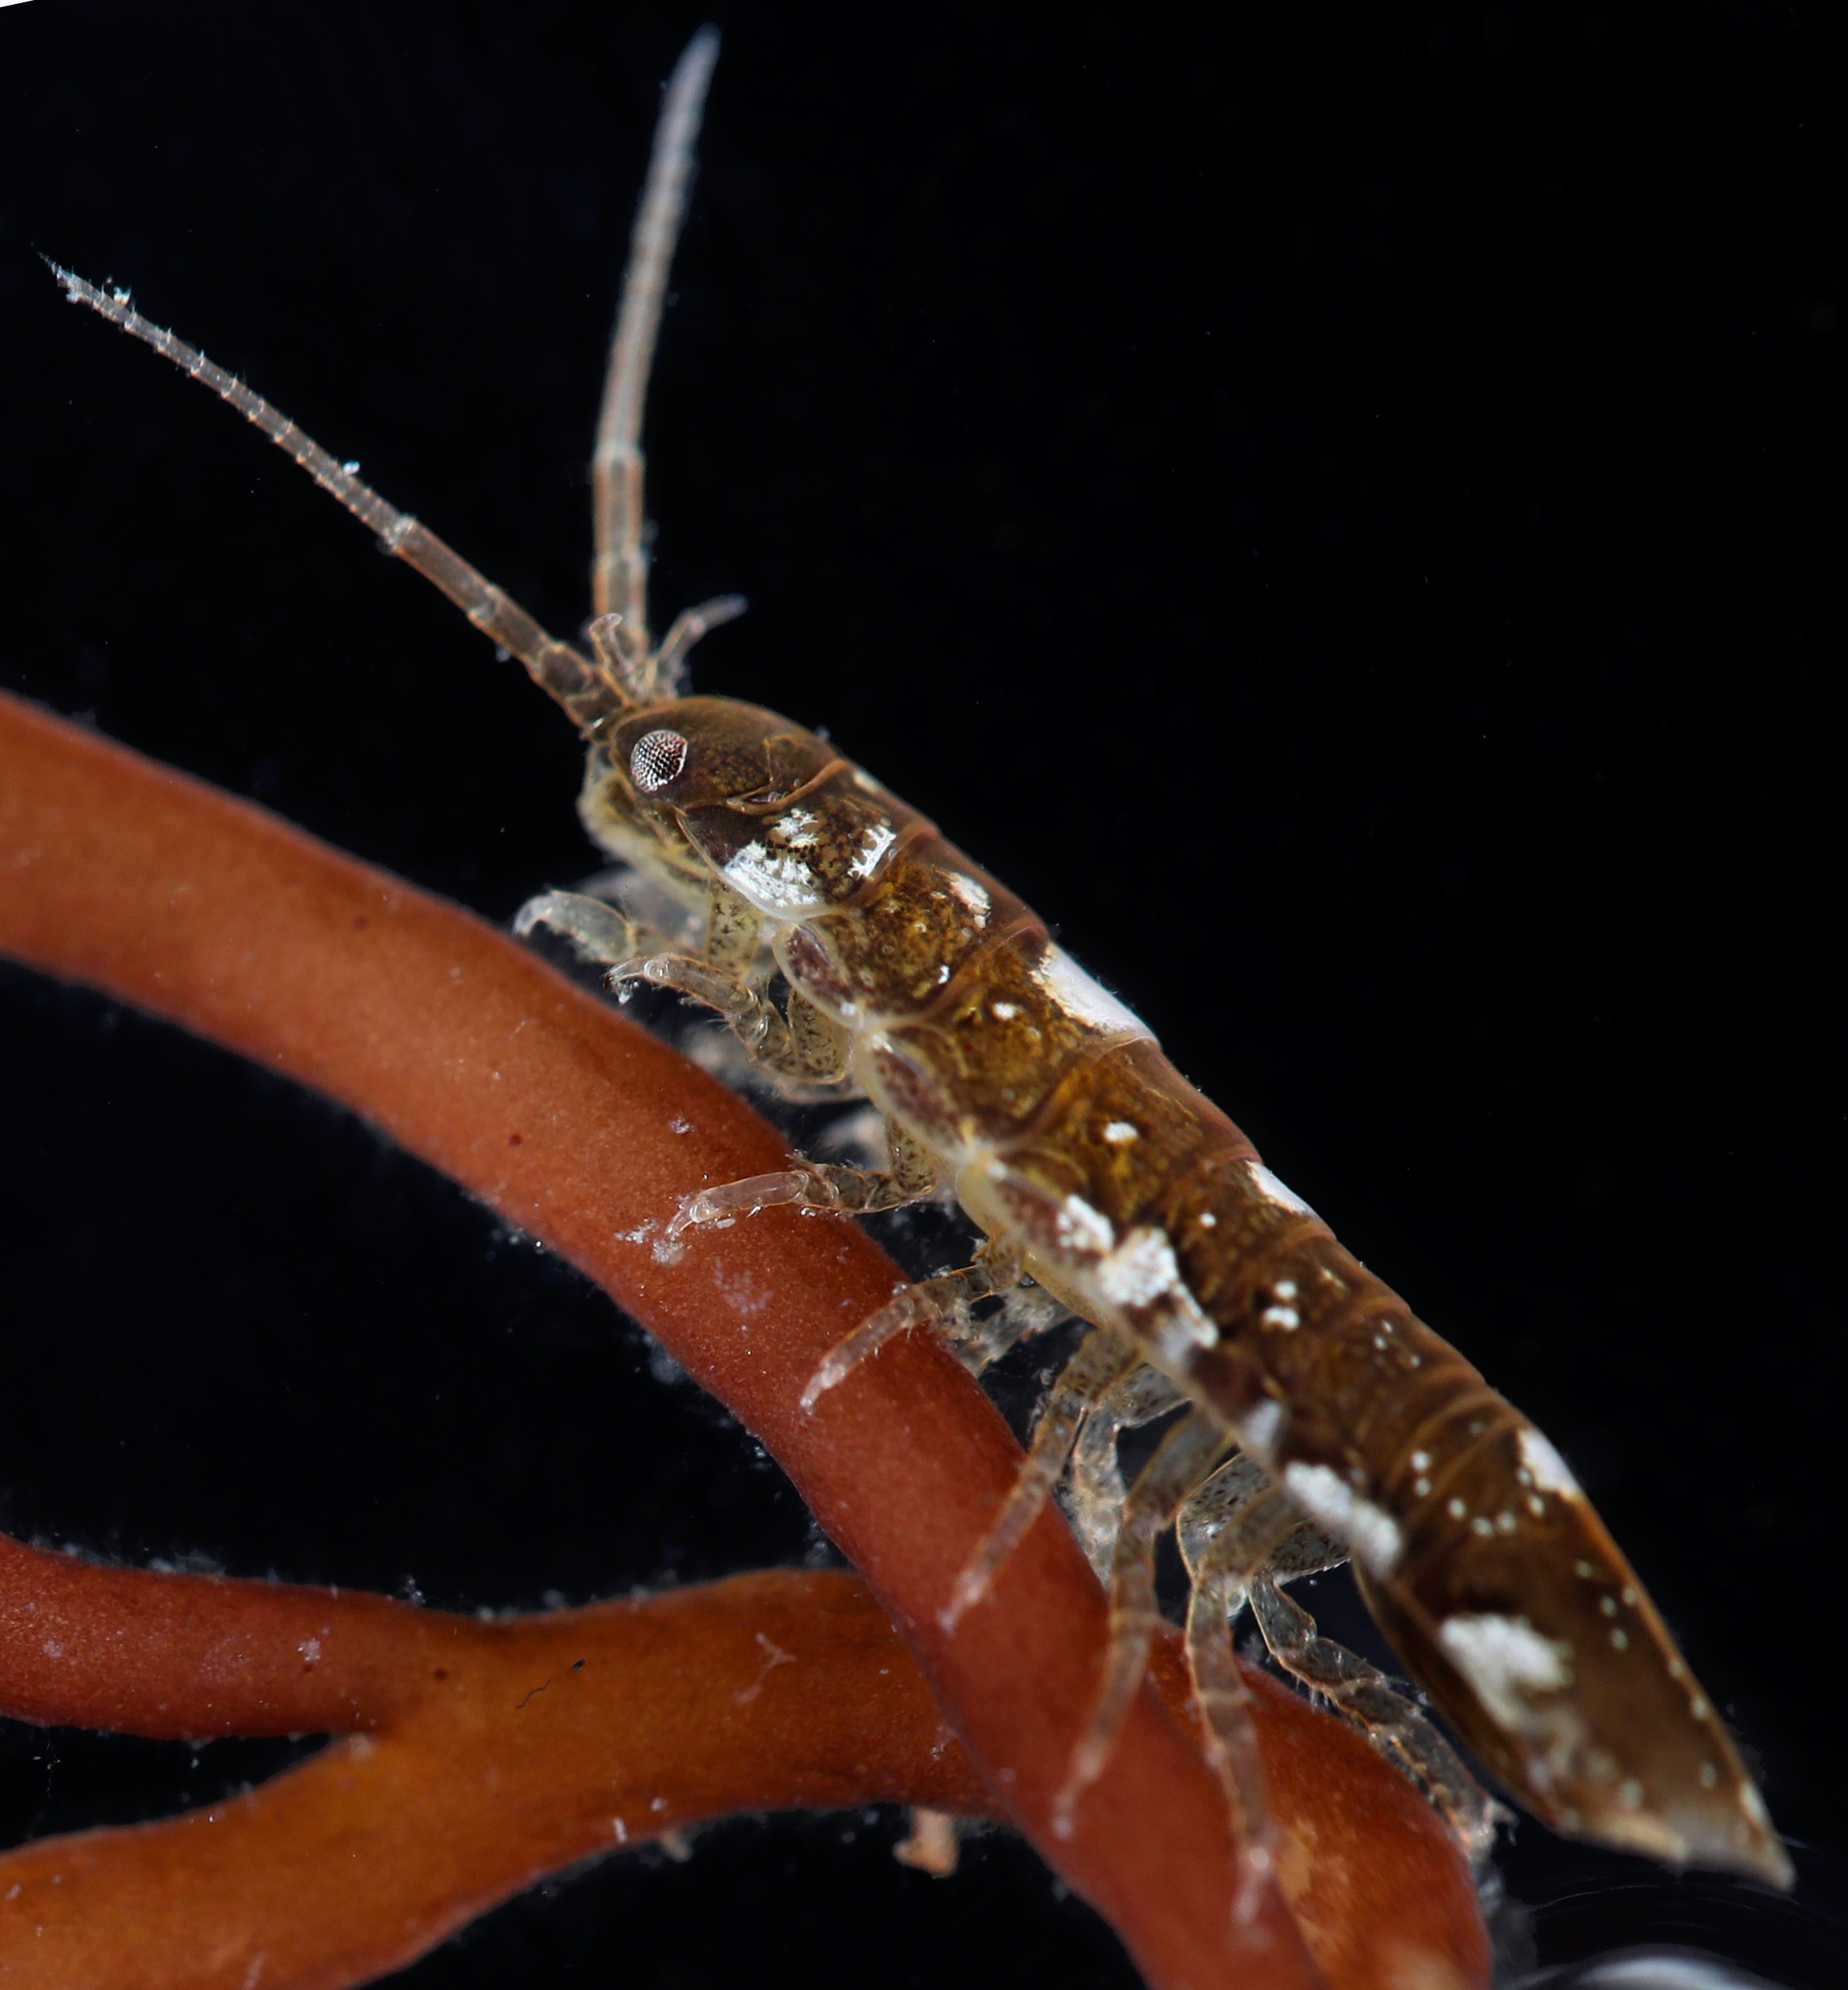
<point x="619" y="573"/>
<point x="586" y="692"/>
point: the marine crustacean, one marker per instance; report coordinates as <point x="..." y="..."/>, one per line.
<point x="851" y="948"/>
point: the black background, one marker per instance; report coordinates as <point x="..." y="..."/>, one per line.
<point x="1331" y="507"/>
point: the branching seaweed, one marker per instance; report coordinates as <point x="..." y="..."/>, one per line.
<point x="131" y="878"/>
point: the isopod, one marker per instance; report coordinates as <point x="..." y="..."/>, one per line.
<point x="849" y="945"/>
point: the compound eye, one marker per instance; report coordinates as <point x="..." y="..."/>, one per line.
<point x="655" y="759"/>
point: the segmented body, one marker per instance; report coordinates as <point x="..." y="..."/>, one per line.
<point x="1063" y="1127"/>
<point x="1323" y="1420"/>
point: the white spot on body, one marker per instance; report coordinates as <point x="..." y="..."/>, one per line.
<point x="878" y="839"/>
<point x="1551" y="1472"/>
<point x="974" y="895"/>
<point x="1071" y="989"/>
<point x="1140" y="1269"/>
<point x="1120" y="1133"/>
<point x="1284" y="1316"/>
<point x="1505" y="1659"/>
<point x="796" y="828"/>
<point x="1006" y="1011"/>
<point x="1273" y="1191"/>
<point x="777" y="881"/>
<point x="1081" y="1228"/>
<point x="1330" y="1501"/>
<point x="1258" y="1431"/>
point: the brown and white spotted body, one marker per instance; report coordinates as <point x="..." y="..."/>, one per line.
<point x="1320" y="1419"/>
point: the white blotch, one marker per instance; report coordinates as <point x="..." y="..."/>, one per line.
<point x="1620" y="1640"/>
<point x="1120" y="1133"/>
<point x="53" y="1649"/>
<point x="1081" y="1228"/>
<point x="1006" y="1011"/>
<point x="796" y="827"/>
<point x="1455" y="1509"/>
<point x="1073" y="991"/>
<point x="1420" y="1486"/>
<point x="777" y="881"/>
<point x="1710" y="1776"/>
<point x="1421" y="1461"/>
<point x="1258" y="1431"/>
<point x="1286" y="1317"/>
<point x="974" y="895"/>
<point x="1208" y="1220"/>
<point x="1551" y="1472"/>
<point x="1330" y="1501"/>
<point x="1505" y="1659"/>
<point x="310" y="1648"/>
<point x="1285" y="1288"/>
<point x="1140" y="1269"/>
<point x="1273" y="1191"/>
<point x="878" y="839"/>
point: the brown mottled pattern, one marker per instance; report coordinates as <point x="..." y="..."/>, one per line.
<point x="1489" y="1570"/>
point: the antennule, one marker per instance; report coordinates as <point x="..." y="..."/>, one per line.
<point x="619" y="572"/>
<point x="585" y="692"/>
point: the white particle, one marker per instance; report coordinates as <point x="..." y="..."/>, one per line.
<point x="1421" y="1461"/>
<point x="1120" y="1133"/>
<point x="1285" y="1288"/>
<point x="1284" y="1316"/>
<point x="1455" y="1509"/>
<point x="1208" y="1220"/>
<point x="1006" y="1010"/>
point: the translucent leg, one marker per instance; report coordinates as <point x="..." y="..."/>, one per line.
<point x="1094" y="1491"/>
<point x="1023" y="1312"/>
<point x="818" y="1187"/>
<point x="1184" y="1458"/>
<point x="801" y="1045"/>
<point x="1227" y="1561"/>
<point x="1102" y="1360"/>
<point x="1390" y="1721"/>
<point x="996" y="1267"/>
<point x="598" y="932"/>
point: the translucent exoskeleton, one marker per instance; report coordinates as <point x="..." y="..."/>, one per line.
<point x="1313" y="1419"/>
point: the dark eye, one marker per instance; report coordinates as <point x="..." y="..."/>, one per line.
<point x="656" y="758"/>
